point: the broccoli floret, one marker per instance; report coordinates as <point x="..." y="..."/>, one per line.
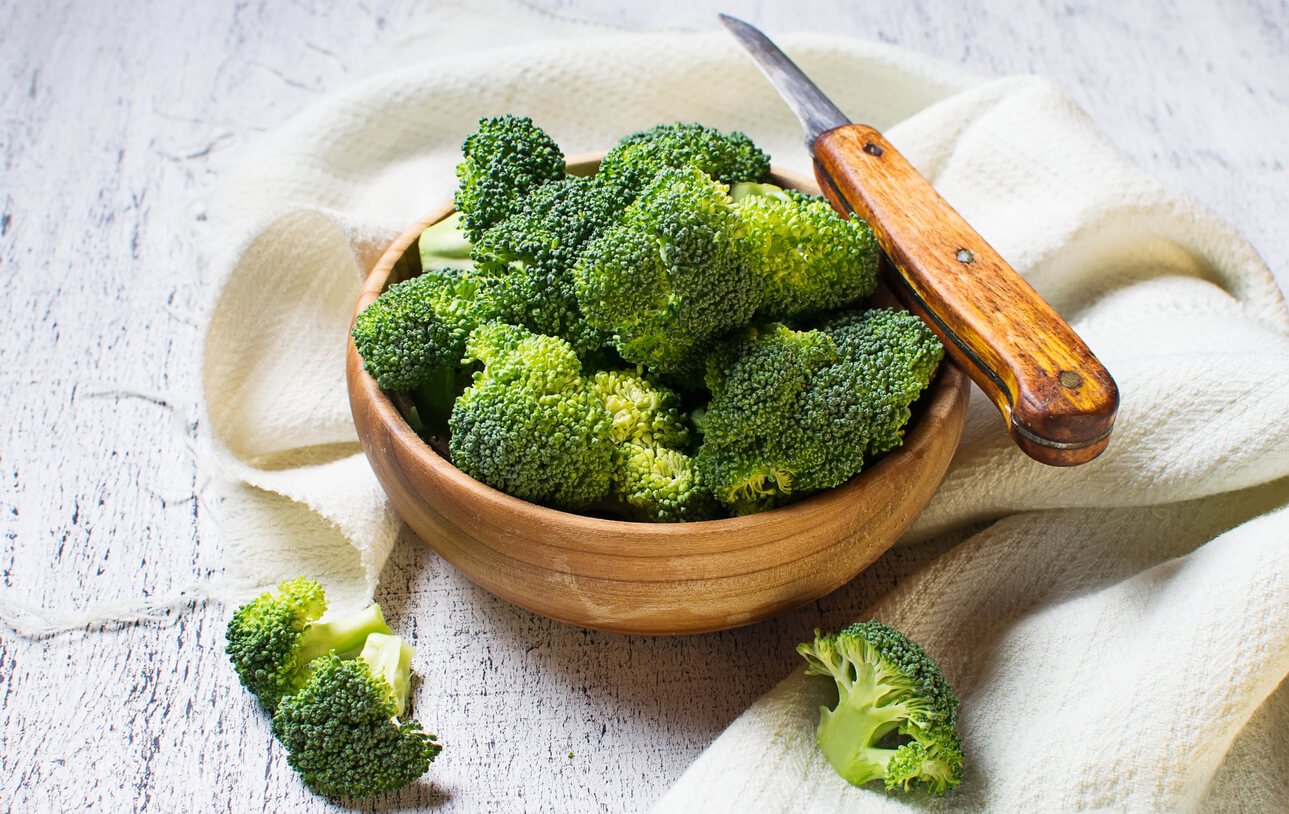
<point x="728" y="157"/>
<point x="896" y="714"/>
<point x="652" y="474"/>
<point x="669" y="277"/>
<point x="529" y="424"/>
<point x="794" y="412"/>
<point x="532" y="254"/>
<point x="273" y="638"/>
<point x="342" y="730"/>
<point x="811" y="258"/>
<point x="505" y="160"/>
<point x="418" y="328"/>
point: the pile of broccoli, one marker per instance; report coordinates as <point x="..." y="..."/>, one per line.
<point x="337" y="690"/>
<point x="673" y="338"/>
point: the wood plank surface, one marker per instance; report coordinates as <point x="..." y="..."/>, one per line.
<point x="115" y="116"/>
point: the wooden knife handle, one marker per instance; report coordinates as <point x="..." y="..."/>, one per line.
<point x="1058" y="400"/>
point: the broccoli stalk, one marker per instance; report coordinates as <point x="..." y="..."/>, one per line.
<point x="895" y="714"/>
<point x="342" y="730"/>
<point x="273" y="639"/>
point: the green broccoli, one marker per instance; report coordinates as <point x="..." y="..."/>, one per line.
<point x="669" y="277"/>
<point x="652" y="474"/>
<point x="505" y="160"/>
<point x="342" y="730"/>
<point x="810" y="258"/>
<point x="529" y="424"/>
<point x="726" y="157"/>
<point x="273" y="639"/>
<point x="794" y="412"/>
<point x="532" y="254"/>
<point x="896" y="714"/>
<point x="418" y="328"/>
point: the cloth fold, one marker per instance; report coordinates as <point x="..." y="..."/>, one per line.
<point x="1117" y="632"/>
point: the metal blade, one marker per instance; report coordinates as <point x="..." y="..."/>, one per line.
<point x="816" y="111"/>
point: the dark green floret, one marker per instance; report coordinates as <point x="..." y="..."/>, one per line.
<point x="529" y="424"/>
<point x="810" y="257"/>
<point x="342" y="730"/>
<point x="669" y="277"/>
<point x="896" y="714"/>
<point x="727" y="157"/>
<point x="506" y="159"/>
<point x="273" y="638"/>
<point x="794" y="412"/>
<point x="532" y="254"/>
<point x="417" y="328"/>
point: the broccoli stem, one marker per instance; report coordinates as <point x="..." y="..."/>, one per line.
<point x="390" y="658"/>
<point x="444" y="241"/>
<point x="346" y="636"/>
<point x="434" y="399"/>
<point x="847" y="736"/>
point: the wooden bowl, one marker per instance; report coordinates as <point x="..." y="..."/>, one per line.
<point x="648" y="578"/>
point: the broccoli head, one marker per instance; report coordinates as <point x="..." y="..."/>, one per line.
<point x="273" y="638"/>
<point x="896" y="714"/>
<point x="532" y="254"/>
<point x="669" y="277"/>
<point x="505" y="160"/>
<point x="415" y="329"/>
<point x="811" y="258"/>
<point x="728" y="157"/>
<point x="342" y="730"/>
<point x="794" y="412"/>
<point x="529" y="424"/>
<point x="653" y="476"/>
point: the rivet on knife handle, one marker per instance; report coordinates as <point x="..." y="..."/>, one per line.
<point x="1059" y="401"/>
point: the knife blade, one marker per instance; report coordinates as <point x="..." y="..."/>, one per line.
<point x="1057" y="398"/>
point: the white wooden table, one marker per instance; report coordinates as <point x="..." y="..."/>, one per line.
<point x="116" y="114"/>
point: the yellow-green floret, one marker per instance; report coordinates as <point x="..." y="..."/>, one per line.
<point x="810" y="258"/>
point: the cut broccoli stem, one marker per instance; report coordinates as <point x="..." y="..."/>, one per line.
<point x="444" y="241"/>
<point x="390" y="658"/>
<point x="747" y="189"/>
<point x="346" y="635"/>
<point x="854" y="722"/>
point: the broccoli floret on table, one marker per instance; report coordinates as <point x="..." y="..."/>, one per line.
<point x="810" y="258"/>
<point x="794" y="412"/>
<point x="728" y="157"/>
<point x="505" y="160"/>
<point x="896" y="714"/>
<point x="669" y="277"/>
<point x="273" y="639"/>
<point x="529" y="425"/>
<point x="342" y="730"/>
<point x="532" y="254"/>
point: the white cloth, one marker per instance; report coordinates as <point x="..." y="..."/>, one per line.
<point x="1116" y="636"/>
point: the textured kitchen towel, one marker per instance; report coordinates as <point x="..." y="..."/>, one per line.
<point x="1117" y="632"/>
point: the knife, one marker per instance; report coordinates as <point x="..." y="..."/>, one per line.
<point x="1058" y="400"/>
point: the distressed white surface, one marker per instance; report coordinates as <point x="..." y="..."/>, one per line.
<point x="115" y="116"/>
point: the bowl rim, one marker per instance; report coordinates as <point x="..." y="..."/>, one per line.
<point x="605" y="534"/>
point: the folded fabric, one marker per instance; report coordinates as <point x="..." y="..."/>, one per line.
<point x="1116" y="632"/>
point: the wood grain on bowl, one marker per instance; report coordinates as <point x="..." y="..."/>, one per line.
<point x="647" y="578"/>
